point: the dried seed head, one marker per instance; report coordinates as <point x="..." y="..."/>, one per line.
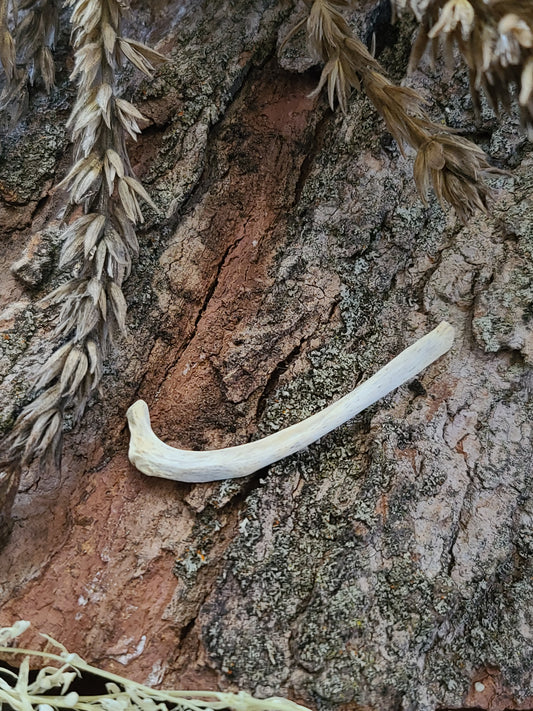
<point x="455" y="14"/>
<point x="496" y="41"/>
<point x="347" y="64"/>
<point x="7" y="53"/>
<point x="35" y="28"/>
<point x="453" y="166"/>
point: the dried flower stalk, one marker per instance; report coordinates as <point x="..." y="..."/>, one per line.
<point x="495" y="38"/>
<point x="451" y="165"/>
<point x="27" y="55"/>
<point x="7" y="43"/>
<point x="100" y="244"/>
<point x="52" y="686"/>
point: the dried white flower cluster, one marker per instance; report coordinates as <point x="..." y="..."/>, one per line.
<point x="51" y="689"/>
<point x="99" y="245"/>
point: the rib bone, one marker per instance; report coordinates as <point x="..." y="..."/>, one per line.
<point x="151" y="456"/>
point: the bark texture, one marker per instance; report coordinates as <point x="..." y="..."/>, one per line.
<point x="388" y="567"/>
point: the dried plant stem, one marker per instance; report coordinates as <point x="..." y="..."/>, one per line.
<point x="100" y="244"/>
<point x="62" y="668"/>
<point x="495" y="38"/>
<point x="452" y="165"/>
<point x="7" y="44"/>
<point x="33" y="41"/>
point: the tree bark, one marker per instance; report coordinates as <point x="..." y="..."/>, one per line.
<point x="388" y="566"/>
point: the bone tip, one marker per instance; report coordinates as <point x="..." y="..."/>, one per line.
<point x="138" y="415"/>
<point x="140" y="433"/>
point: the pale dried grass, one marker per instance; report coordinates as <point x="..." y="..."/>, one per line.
<point x="51" y="689"/>
<point x="495" y="39"/>
<point x="98" y="247"/>
<point x="451" y="165"/>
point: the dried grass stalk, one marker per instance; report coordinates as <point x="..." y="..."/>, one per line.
<point x="52" y="687"/>
<point x="7" y="44"/>
<point x="98" y="246"/>
<point x="495" y="38"/>
<point x="26" y="55"/>
<point x="453" y="166"/>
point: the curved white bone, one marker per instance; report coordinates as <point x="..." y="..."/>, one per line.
<point x="153" y="457"/>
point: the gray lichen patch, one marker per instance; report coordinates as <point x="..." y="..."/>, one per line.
<point x="17" y="326"/>
<point x="28" y="163"/>
<point x="374" y="568"/>
<point x="38" y="258"/>
<point x="504" y="309"/>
